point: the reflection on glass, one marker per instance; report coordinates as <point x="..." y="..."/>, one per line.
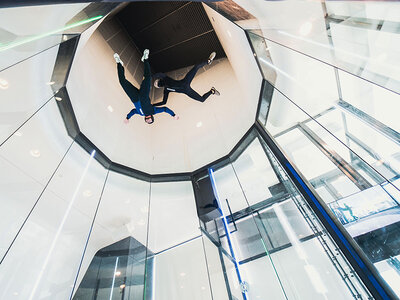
<point x="13" y="54"/>
<point x="115" y="272"/>
<point x="28" y="167"/>
<point x="276" y="234"/>
<point x="348" y="150"/>
<point x="181" y="273"/>
<point x="21" y="36"/>
<point x="60" y="228"/>
<point x="116" y="234"/>
<point x="217" y="274"/>
<point x="55" y="232"/>
<point x="359" y="38"/>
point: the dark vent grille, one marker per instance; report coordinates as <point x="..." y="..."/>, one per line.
<point x="187" y="54"/>
<point x="178" y="34"/>
<point x="137" y="16"/>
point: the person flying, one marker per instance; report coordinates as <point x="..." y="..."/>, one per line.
<point x="183" y="86"/>
<point x="140" y="97"/>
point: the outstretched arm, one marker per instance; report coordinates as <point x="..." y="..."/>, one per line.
<point x="165" y="98"/>
<point x="165" y="109"/>
<point x="131" y="113"/>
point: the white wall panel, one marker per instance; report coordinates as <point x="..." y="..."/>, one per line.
<point x="181" y="273"/>
<point x="123" y="212"/>
<point x="173" y="216"/>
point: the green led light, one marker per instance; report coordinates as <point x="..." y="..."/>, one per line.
<point x="37" y="37"/>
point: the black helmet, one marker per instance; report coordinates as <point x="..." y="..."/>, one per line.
<point x="148" y="118"/>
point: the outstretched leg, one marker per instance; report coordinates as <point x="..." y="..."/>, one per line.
<point x="128" y="87"/>
<point x="194" y="95"/>
<point x="146" y="83"/>
<point x="190" y="75"/>
<point x="144" y="92"/>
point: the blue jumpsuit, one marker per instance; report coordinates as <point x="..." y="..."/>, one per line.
<point x="140" y="98"/>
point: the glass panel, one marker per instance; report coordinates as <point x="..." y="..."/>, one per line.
<point x="215" y="270"/>
<point x="256" y="176"/>
<point x="41" y="144"/>
<point x="243" y="242"/>
<point x="173" y="216"/>
<point x="232" y="278"/>
<point x="278" y="244"/>
<point x="24" y="90"/>
<point x="314" y="91"/>
<point x="229" y="189"/>
<point x="314" y="164"/>
<point x="119" y="231"/>
<point x="359" y="37"/>
<point x="55" y="233"/>
<point x="349" y="154"/>
<point x="361" y="114"/>
<point x="373" y="100"/>
<point x="181" y="273"/>
<point x="10" y="55"/>
<point x="22" y="36"/>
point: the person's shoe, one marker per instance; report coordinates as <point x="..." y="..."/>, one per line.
<point x="215" y="92"/>
<point x="145" y="54"/>
<point x="118" y="59"/>
<point x="211" y="58"/>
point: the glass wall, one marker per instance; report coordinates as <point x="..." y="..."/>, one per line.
<point x="181" y="273"/>
<point x="26" y="31"/>
<point x="338" y="125"/>
<point x="52" y="201"/>
<point x="360" y="38"/>
<point x="70" y="228"/>
<point x="269" y="240"/>
<point x="114" y="262"/>
<point x="92" y="233"/>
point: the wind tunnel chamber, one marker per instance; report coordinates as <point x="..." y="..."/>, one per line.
<point x="286" y="186"/>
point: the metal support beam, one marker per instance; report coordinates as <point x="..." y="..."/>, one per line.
<point x="372" y="122"/>
<point x="334" y="157"/>
<point x="364" y="23"/>
<point x="371" y="152"/>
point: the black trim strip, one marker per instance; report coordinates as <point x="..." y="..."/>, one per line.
<point x="61" y="71"/>
<point x="260" y="97"/>
<point x="237" y="150"/>
<point x="62" y="66"/>
<point x="65" y="107"/>
<point x="277" y="249"/>
<point x="60" y="74"/>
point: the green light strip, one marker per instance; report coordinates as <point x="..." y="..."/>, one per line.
<point x="273" y="266"/>
<point x="37" y="37"/>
